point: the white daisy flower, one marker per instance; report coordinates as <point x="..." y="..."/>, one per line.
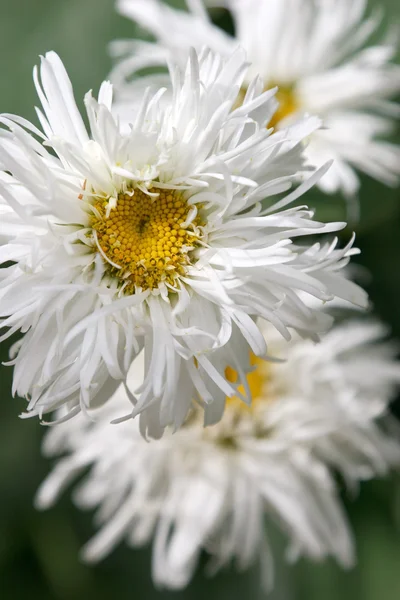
<point x="316" y="51"/>
<point x="322" y="412"/>
<point x="155" y="239"/>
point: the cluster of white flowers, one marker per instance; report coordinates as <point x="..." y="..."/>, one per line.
<point x="173" y="296"/>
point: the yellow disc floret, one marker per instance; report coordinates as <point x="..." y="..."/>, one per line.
<point x="288" y="104"/>
<point x="147" y="240"/>
<point x="240" y="418"/>
<point x="257" y="381"/>
<point x="287" y="98"/>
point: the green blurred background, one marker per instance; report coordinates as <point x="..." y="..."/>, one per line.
<point x="39" y="551"/>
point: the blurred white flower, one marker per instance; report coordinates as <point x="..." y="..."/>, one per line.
<point x="155" y="239"/>
<point x="316" y="51"/>
<point x="324" y="411"/>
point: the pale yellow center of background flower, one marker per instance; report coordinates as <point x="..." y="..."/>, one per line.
<point x="147" y="240"/>
<point x="288" y="104"/>
<point x="241" y="419"/>
<point x="257" y="381"/>
<point x="286" y="96"/>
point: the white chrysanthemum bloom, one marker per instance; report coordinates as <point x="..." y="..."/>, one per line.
<point x="156" y="239"/>
<point x="316" y="52"/>
<point x="323" y="411"/>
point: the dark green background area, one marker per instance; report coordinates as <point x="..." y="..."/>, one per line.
<point x="39" y="551"/>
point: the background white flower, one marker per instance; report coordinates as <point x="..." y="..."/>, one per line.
<point x="319" y="53"/>
<point x="323" y="411"/>
<point x="156" y="239"/>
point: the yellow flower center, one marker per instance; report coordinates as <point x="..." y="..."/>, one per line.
<point x="146" y="240"/>
<point x="286" y="96"/>
<point x="240" y="419"/>
<point x="288" y="104"/>
<point x="257" y="380"/>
